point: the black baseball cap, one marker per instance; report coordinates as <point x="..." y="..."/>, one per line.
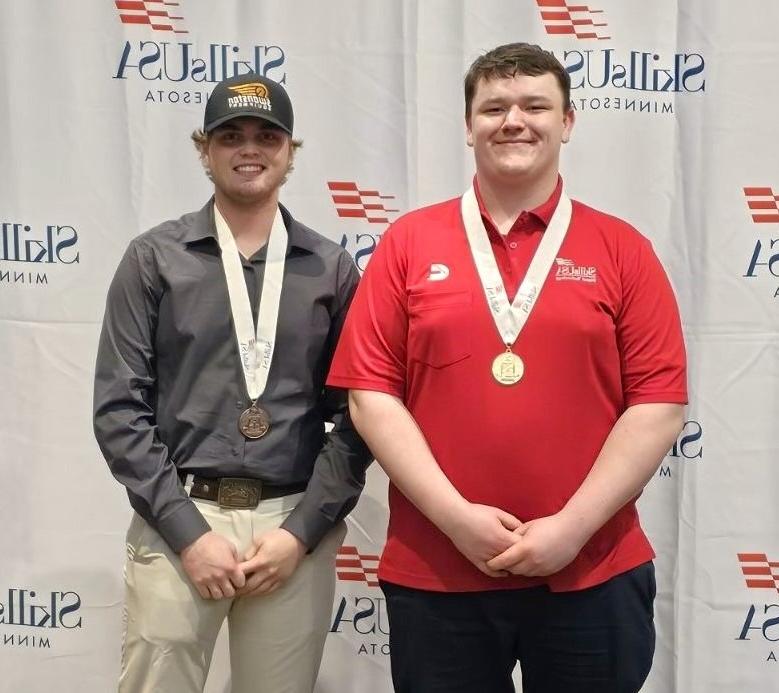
<point x="248" y="95"/>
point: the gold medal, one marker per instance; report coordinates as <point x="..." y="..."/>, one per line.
<point x="507" y="368"/>
<point x="254" y="422"/>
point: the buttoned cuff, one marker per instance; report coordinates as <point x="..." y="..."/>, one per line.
<point x="183" y="526"/>
<point x="308" y="524"/>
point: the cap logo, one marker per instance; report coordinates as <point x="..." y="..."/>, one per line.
<point x="252" y="94"/>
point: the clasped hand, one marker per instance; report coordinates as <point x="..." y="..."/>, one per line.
<point x="542" y="547"/>
<point x="215" y="569"/>
<point x="498" y="544"/>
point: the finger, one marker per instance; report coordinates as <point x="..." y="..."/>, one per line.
<point x="265" y="587"/>
<point x="527" y="566"/>
<point x="266" y="580"/>
<point x="501" y="562"/>
<point x="252" y="565"/>
<point x="508" y="558"/>
<point x="237" y="577"/>
<point x="214" y="591"/>
<point x="227" y="588"/>
<point x="256" y="578"/>
<point x="506" y="540"/>
<point x="539" y="569"/>
<point x="491" y="573"/>
<point x="251" y="552"/>
<point x="202" y="590"/>
<point x="508" y="520"/>
<point x="522" y="568"/>
<point x="252" y="580"/>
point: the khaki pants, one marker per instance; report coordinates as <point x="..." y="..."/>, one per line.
<point x="276" y="641"/>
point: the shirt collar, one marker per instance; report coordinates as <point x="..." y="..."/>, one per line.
<point x="204" y="228"/>
<point x="543" y="212"/>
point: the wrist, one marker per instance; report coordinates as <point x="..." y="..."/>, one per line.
<point x="449" y="513"/>
<point x="193" y="544"/>
<point x="576" y="525"/>
<point x="300" y="545"/>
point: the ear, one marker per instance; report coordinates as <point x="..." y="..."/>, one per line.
<point x="568" y="121"/>
<point x="204" y="157"/>
<point x="468" y="133"/>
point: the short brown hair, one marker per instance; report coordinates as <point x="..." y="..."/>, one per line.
<point x="516" y="59"/>
<point x="200" y="139"/>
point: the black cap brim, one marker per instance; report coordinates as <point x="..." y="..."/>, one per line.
<point x="249" y="113"/>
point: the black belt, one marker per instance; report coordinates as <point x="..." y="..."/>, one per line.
<point x="239" y="492"/>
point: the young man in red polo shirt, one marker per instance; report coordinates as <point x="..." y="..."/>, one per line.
<point x="515" y="362"/>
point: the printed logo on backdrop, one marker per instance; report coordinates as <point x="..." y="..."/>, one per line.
<point x="35" y="619"/>
<point x="687" y="449"/>
<point x="29" y="254"/>
<point x="352" y="566"/>
<point x="581" y="21"/>
<point x="169" y="68"/>
<point x="360" y="612"/>
<point x="636" y="79"/>
<point x="763" y="208"/>
<point x="761" y="622"/>
<point x="369" y="207"/>
<point x="155" y="13"/>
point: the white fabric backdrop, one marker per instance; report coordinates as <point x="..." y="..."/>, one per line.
<point x="676" y="105"/>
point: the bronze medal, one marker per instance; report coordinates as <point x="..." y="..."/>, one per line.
<point x="254" y="422"/>
<point x="507" y="368"/>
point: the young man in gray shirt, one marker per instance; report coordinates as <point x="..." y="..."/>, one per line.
<point x="210" y="408"/>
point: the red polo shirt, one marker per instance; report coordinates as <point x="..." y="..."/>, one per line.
<point x="604" y="335"/>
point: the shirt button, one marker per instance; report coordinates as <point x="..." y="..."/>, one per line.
<point x="235" y="452"/>
<point x="513" y="245"/>
<point x="238" y="405"/>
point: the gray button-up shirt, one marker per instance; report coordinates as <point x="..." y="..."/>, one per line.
<point x="169" y="388"/>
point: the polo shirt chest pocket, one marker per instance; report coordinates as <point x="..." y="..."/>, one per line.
<point x="439" y="327"/>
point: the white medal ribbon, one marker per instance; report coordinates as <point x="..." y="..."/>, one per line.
<point x="255" y="347"/>
<point x="510" y="318"/>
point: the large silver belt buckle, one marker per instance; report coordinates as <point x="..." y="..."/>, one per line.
<point x="239" y="493"/>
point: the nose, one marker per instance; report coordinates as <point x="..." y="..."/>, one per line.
<point x="249" y="147"/>
<point x="515" y="118"/>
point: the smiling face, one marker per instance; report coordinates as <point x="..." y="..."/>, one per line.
<point x="516" y="127"/>
<point x="248" y="159"/>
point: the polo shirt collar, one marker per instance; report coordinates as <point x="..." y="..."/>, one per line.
<point x="203" y="228"/>
<point x="543" y="212"/>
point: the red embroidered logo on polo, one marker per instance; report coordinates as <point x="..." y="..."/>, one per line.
<point x="568" y="270"/>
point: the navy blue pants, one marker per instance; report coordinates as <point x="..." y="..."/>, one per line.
<point x="597" y="640"/>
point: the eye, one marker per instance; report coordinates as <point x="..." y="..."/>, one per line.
<point x="228" y="137"/>
<point x="269" y="137"/>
